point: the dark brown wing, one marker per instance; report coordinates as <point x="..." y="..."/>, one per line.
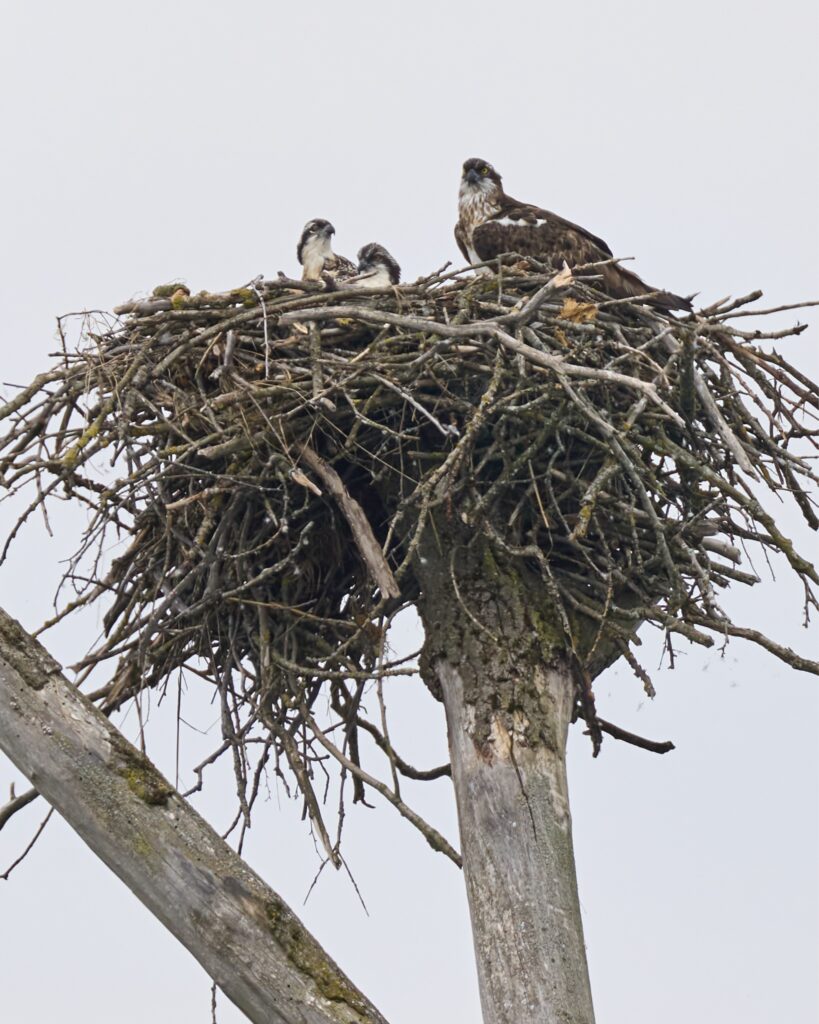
<point x="531" y="231"/>
<point x="511" y="209"/>
<point x="460" y="238"/>
<point x="546" y="237"/>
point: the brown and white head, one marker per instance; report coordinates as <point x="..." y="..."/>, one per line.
<point x="376" y="267"/>
<point x="481" y="190"/>
<point x="315" y="247"/>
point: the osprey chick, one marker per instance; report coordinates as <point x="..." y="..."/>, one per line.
<point x="376" y="268"/>
<point x="315" y="253"/>
<point x="491" y="223"/>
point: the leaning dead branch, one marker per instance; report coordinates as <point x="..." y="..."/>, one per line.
<point x="240" y="930"/>
<point x="268" y="459"/>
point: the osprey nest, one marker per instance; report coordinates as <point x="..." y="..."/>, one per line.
<point x="270" y="459"/>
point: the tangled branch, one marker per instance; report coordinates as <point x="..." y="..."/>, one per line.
<point x="269" y="458"/>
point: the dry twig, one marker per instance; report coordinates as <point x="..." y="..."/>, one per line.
<point x="624" y="453"/>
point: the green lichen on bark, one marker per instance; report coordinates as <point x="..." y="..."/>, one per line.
<point x="144" y="781"/>
<point x="307" y="955"/>
<point x="497" y="622"/>
<point x="29" y="659"/>
<point x="166" y="291"/>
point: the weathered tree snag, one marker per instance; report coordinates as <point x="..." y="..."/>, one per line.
<point x="492" y="654"/>
<point x="242" y="933"/>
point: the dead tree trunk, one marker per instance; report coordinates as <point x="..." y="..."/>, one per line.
<point x="493" y="655"/>
<point x="242" y="933"/>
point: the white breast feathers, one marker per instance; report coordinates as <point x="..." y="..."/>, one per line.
<point x="314" y="254"/>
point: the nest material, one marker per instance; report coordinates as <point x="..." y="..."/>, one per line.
<point x="270" y="458"/>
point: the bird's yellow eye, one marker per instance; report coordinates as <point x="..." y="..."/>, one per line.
<point x="484" y="170"/>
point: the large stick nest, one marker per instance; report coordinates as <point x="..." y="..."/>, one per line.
<point x="270" y="457"/>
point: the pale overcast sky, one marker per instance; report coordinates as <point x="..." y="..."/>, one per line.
<point x="145" y="142"/>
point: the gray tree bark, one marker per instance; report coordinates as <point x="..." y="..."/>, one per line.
<point x="243" y="934"/>
<point x="493" y="655"/>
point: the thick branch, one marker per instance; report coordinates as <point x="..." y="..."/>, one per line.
<point x="362" y="532"/>
<point x="655" y="746"/>
<point x="243" y="934"/>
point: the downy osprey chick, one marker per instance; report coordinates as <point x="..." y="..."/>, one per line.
<point x="315" y="253"/>
<point x="491" y="223"/>
<point x="376" y="269"/>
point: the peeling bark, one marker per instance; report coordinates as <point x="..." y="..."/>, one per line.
<point x="493" y="655"/>
<point x="243" y="934"/>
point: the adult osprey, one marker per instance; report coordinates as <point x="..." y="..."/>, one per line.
<point x="376" y="268"/>
<point x="315" y="253"/>
<point x="491" y="223"/>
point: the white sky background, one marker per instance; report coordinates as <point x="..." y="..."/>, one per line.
<point x="145" y="142"/>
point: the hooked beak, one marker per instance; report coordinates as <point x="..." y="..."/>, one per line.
<point x="472" y="177"/>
